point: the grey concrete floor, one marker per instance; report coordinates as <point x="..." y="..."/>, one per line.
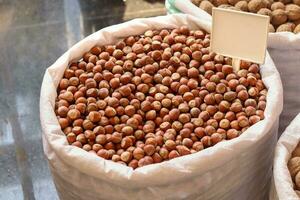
<point x="33" y="34"/>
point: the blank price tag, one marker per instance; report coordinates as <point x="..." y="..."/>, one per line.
<point x="239" y="35"/>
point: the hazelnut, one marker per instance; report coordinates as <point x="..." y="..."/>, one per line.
<point x="206" y="141"/>
<point x="174" y="114"/>
<point x="249" y="110"/>
<point x="138" y="153"/>
<point x="224" y="106"/>
<point x="157" y="158"/>
<point x="62" y="111"/>
<point x="103" y="92"/>
<point x="103" y="153"/>
<point x="254" y="119"/>
<point x="170" y="145"/>
<point x="193" y="73"/>
<point x="126" y="142"/>
<point x="127" y="130"/>
<point x="232" y="133"/>
<point x="100" y="139"/>
<point x="164" y="153"/>
<point x="116" y="158"/>
<point x="133" y="164"/>
<point x="183" y="150"/>
<point x="230" y="96"/>
<point x="187" y="142"/>
<point x="216" y="138"/>
<point x="198" y="146"/>
<point x="110" y="112"/>
<point x="90" y="135"/>
<point x="227" y="69"/>
<point x="147" y="160"/>
<point x="149" y="149"/>
<point x="253" y="92"/>
<point x="126" y="156"/>
<point x="224" y="123"/>
<point x="87" y="147"/>
<point x="221" y="88"/>
<point x="165" y="125"/>
<point x="243" y="121"/>
<point x="71" y="137"/>
<point x="73" y="114"/>
<point x="116" y="137"/>
<point x="236" y="107"/>
<point x="261" y="105"/>
<point x="87" y="125"/>
<point x="94" y="116"/>
<point x="173" y="154"/>
<point x="209" y="99"/>
<point x="125" y="90"/>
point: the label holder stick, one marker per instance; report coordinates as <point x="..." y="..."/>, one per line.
<point x="236" y="62"/>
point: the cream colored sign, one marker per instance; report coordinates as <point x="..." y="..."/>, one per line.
<point x="239" y="35"/>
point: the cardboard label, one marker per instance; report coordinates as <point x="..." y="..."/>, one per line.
<point x="239" y="35"/>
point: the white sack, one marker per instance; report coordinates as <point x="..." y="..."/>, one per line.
<point x="282" y="188"/>
<point x="288" y="64"/>
<point x="234" y="170"/>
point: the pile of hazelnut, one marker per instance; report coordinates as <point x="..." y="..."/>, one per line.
<point x="284" y="14"/>
<point x="294" y="168"/>
<point x="157" y="96"/>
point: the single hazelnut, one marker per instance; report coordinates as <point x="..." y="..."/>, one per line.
<point x="71" y="138"/>
<point x="254" y="119"/>
<point x="149" y="149"/>
<point x="236" y="107"/>
<point x="157" y="158"/>
<point x="187" y="142"/>
<point x="147" y="160"/>
<point x="73" y="114"/>
<point x="138" y="153"/>
<point x="164" y="153"/>
<point x="216" y="138"/>
<point x="126" y="156"/>
<point x="253" y="92"/>
<point x="243" y="121"/>
<point x="230" y="96"/>
<point x="103" y="153"/>
<point x="126" y="142"/>
<point x="206" y="141"/>
<point x="127" y="130"/>
<point x="110" y="111"/>
<point x="170" y="145"/>
<point x="232" y="133"/>
<point x="94" y="116"/>
<point x="173" y="154"/>
<point x="116" y="137"/>
<point x="183" y="150"/>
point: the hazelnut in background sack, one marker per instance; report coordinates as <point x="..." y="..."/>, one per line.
<point x="234" y="169"/>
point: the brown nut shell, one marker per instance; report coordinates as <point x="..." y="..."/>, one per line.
<point x="206" y="6"/>
<point x="278" y="17"/>
<point x="294" y="166"/>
